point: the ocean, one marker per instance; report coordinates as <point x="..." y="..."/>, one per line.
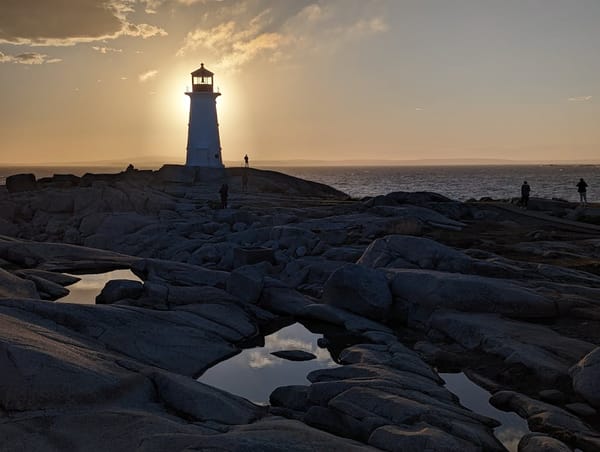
<point x="456" y="182"/>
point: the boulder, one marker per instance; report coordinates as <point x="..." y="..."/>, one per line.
<point x="536" y="442"/>
<point x="359" y="289"/>
<point x="282" y="300"/>
<point x="21" y="182"/>
<point x="586" y="377"/>
<point x="292" y="397"/>
<point x="200" y="402"/>
<point x="118" y="289"/>
<point x="178" y="273"/>
<point x="246" y="282"/>
<point x="252" y="255"/>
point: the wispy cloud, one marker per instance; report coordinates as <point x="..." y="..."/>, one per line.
<point x="274" y="34"/>
<point x="107" y="49"/>
<point x="28" y="58"/>
<point x="148" y="75"/>
<point x="68" y="22"/>
<point x="580" y="99"/>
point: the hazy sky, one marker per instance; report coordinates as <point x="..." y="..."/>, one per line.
<point x="86" y="80"/>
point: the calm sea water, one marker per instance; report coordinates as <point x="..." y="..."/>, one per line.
<point x="456" y="182"/>
<point x="459" y="182"/>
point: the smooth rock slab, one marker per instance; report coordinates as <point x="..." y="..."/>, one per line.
<point x="272" y="434"/>
<point x="45" y="366"/>
<point x="179" y="341"/>
<point x="359" y="289"/>
<point x="115" y="429"/>
<point x="546" y="418"/>
<point x="420" y="292"/>
<point x="545" y="352"/>
<point x="13" y="286"/>
<point x="420" y="437"/>
<point x="294" y="355"/>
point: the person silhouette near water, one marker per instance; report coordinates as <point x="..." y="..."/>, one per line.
<point x="246" y="164"/>
<point x="582" y="190"/>
<point x="525" y="189"/>
<point x="224" y="192"/>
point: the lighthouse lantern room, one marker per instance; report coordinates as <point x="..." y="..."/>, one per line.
<point x="204" y="144"/>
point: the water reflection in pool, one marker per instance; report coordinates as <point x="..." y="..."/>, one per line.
<point x="86" y="290"/>
<point x="475" y="398"/>
<point x="255" y="373"/>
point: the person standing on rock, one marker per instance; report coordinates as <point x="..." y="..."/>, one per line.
<point x="246" y="164"/>
<point x="525" y="189"/>
<point x="582" y="190"/>
<point x="224" y="192"/>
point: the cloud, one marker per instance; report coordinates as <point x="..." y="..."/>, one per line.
<point x="579" y="99"/>
<point x="28" y="58"/>
<point x="243" y="35"/>
<point x="106" y="49"/>
<point x="148" y="75"/>
<point x="68" y="22"/>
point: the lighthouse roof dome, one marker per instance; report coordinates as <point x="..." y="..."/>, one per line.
<point x="202" y="72"/>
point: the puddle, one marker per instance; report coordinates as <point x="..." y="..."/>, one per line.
<point x="255" y="373"/>
<point x="512" y="428"/>
<point x="86" y="290"/>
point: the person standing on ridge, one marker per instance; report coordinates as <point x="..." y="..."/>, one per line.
<point x="525" y="189"/>
<point x="246" y="161"/>
<point x="224" y="192"/>
<point x="582" y="190"/>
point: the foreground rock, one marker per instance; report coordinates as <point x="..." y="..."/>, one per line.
<point x="401" y="286"/>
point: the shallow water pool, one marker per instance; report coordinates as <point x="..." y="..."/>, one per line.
<point x="90" y="285"/>
<point x="512" y="428"/>
<point x="255" y="373"/>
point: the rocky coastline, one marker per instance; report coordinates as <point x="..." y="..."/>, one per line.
<point x="405" y="285"/>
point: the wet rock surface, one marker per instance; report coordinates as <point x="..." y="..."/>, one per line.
<point x="403" y="286"/>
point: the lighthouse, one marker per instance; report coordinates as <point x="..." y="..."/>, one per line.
<point x="204" y="144"/>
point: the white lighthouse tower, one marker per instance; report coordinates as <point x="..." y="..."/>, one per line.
<point x="203" y="145"/>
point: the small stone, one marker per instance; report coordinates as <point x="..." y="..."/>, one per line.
<point x="294" y="355"/>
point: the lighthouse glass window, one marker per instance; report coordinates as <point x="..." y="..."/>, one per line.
<point x="202" y="81"/>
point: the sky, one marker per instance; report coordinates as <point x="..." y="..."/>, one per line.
<point x="332" y="80"/>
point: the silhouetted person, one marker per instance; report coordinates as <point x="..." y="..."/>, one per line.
<point x="130" y="167"/>
<point x="246" y="161"/>
<point x="224" y="192"/>
<point x="525" y="189"/>
<point x="245" y="180"/>
<point x="582" y="190"/>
